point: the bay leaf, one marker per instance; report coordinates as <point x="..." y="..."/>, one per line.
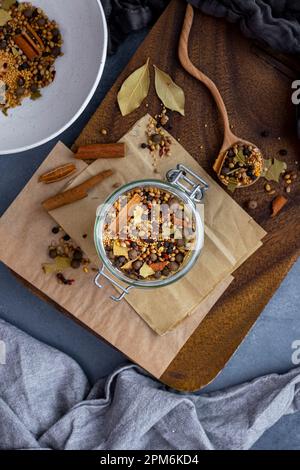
<point x="120" y="250"/>
<point x="240" y="157"/>
<point x="60" y="264"/>
<point x="232" y="185"/>
<point x="6" y="4"/>
<point x="128" y="265"/>
<point x="134" y="90"/>
<point x="146" y="271"/>
<point x="36" y="95"/>
<point x="273" y="168"/>
<point x="170" y="94"/>
<point x="4" y="17"/>
<point x="15" y="52"/>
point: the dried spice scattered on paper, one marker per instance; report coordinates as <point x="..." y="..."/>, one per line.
<point x="65" y="255"/>
<point x="158" y="143"/>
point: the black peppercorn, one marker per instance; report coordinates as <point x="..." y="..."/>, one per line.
<point x="24" y="66"/>
<point x="78" y="255"/>
<point x="52" y="253"/>
<point x="21" y="81"/>
<point x="166" y="271"/>
<point x="28" y="12"/>
<point x="34" y="88"/>
<point x="55" y="51"/>
<point x="41" y="22"/>
<point x="55" y="33"/>
<point x="246" y="151"/>
<point x="75" y="263"/>
<point x="264" y="134"/>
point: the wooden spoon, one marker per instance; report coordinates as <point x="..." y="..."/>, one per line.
<point x="229" y="138"/>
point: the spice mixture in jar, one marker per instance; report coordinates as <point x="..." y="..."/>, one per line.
<point x="149" y="234"/>
<point x="242" y="165"/>
<point x="30" y="43"/>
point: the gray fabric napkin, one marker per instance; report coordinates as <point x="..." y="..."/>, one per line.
<point x="46" y="403"/>
<point x="274" y="22"/>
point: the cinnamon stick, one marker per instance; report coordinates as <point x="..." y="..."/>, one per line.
<point x="181" y="222"/>
<point x="124" y="213"/>
<point x="35" y="35"/>
<point x="27" y="45"/>
<point x="75" y="194"/>
<point x="218" y="163"/>
<point x="58" y="174"/>
<point x="95" y="151"/>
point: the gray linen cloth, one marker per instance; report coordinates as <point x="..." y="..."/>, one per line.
<point x="275" y="22"/>
<point x="46" y="403"/>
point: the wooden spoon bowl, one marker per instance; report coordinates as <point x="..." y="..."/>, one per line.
<point x="220" y="160"/>
<point x="230" y="139"/>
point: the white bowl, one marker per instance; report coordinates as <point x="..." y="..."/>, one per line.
<point x="84" y="31"/>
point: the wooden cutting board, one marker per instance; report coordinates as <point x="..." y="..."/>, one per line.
<point x="256" y="86"/>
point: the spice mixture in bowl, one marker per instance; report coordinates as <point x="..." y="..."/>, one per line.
<point x="149" y="234"/>
<point x="54" y="50"/>
<point x="242" y="166"/>
<point x="30" y="43"/>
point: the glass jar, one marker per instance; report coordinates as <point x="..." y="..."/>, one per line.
<point x="182" y="183"/>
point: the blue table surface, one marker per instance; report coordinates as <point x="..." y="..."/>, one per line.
<point x="269" y="347"/>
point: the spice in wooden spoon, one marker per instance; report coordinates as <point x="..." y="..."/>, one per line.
<point x="231" y="142"/>
<point x="242" y="165"/>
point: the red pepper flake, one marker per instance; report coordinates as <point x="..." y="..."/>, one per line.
<point x="278" y="204"/>
<point x="61" y="278"/>
<point x="158" y="266"/>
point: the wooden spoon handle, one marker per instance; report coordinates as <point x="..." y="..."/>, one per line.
<point x="186" y="63"/>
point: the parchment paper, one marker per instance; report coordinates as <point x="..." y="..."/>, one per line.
<point x="231" y="235"/>
<point x="25" y="233"/>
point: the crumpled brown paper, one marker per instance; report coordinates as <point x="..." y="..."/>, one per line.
<point x="231" y="235"/>
<point x="25" y="233"/>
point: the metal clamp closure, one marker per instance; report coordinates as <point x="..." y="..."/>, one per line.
<point x="194" y="187"/>
<point x="124" y="290"/>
